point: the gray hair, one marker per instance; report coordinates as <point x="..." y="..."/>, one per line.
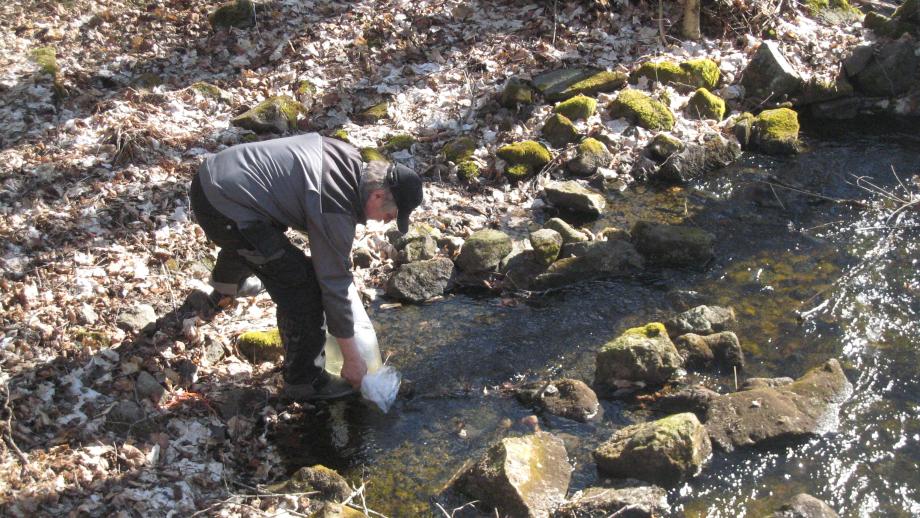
<point x="374" y="178"/>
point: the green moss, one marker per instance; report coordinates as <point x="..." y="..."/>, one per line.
<point x="591" y="146"/>
<point x="516" y="92"/>
<point x="305" y="88"/>
<point x="650" y="330"/>
<point x="239" y="13"/>
<point x="369" y="154"/>
<point x="277" y="113"/>
<point x="260" y="346"/>
<point x="459" y="149"/>
<point x="603" y="81"/>
<point x="663" y="146"/>
<point x="530" y="155"/>
<point x="703" y="73"/>
<point x="468" y="170"/>
<point x="706" y="105"/>
<point x="341" y="134"/>
<point x="375" y="113"/>
<point x="399" y="142"/>
<point x="46" y="59"/>
<point x="641" y="109"/>
<point x="206" y="89"/>
<point x="578" y="107"/>
<point x="148" y="80"/>
<point x="666" y="72"/>
<point x="777" y="131"/>
<point x="559" y="130"/>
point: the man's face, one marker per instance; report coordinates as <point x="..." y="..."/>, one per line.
<point x="375" y="207"/>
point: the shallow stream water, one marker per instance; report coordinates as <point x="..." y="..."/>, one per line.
<point x="810" y="279"/>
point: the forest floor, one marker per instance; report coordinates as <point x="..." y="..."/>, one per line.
<point x="96" y="153"/>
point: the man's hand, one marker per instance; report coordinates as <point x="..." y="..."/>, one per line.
<point x="353" y="366"/>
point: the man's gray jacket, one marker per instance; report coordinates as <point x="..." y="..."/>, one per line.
<point x="307" y="182"/>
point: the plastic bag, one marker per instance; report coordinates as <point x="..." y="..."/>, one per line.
<point x="381" y="387"/>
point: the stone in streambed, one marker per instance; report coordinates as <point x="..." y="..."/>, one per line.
<point x="568" y="398"/>
<point x="776" y="132"/>
<point x="524" y="158"/>
<point x="804" y="505"/>
<point x="558" y="130"/>
<point x="695" y="160"/>
<point x="519" y="476"/>
<point x="599" y="259"/>
<point x="137" y="317"/>
<point x="591" y="154"/>
<point x="569" y="233"/>
<point x="571" y="196"/>
<point x="721" y="350"/>
<point x="704" y="104"/>
<point x="558" y="85"/>
<point x="638" y="501"/>
<point x="421" y="280"/>
<point x="701" y="320"/>
<point x="666" y="451"/>
<point x="546" y="244"/>
<point x="672" y="245"/>
<point x="484" y="250"/>
<point x="578" y="107"/>
<point x="326" y="482"/>
<point x="641" y="354"/>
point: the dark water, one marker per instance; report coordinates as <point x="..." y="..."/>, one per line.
<point x="809" y="278"/>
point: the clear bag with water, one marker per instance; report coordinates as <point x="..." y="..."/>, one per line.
<point x="381" y="383"/>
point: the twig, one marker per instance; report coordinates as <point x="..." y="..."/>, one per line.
<point x="8" y="428"/>
<point x="554" y="22"/>
<point x="661" y="36"/>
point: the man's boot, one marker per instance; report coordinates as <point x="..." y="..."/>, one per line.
<point x="325" y="386"/>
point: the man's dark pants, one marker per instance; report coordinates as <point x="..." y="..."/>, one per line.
<point x="284" y="270"/>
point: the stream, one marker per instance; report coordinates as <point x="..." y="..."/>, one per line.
<point x="810" y="278"/>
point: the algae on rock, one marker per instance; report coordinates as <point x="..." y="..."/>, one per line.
<point x="696" y="73"/>
<point x="260" y="346"/>
<point x="459" y="150"/>
<point x="399" y="142"/>
<point x="591" y="155"/>
<point x="639" y="108"/>
<point x="375" y="113"/>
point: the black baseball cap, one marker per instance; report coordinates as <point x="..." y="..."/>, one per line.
<point x="406" y="187"/>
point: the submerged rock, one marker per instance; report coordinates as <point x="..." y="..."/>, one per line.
<point x="776" y="131"/>
<point x="260" y="346"/>
<point x="722" y="350"/>
<point x="666" y="451"/>
<point x="573" y="197"/>
<point x="626" y="502"/>
<point x="275" y="114"/>
<point x="771" y="416"/>
<point x="804" y="505"/>
<point x="568" y="398"/>
<point x="641" y="354"/>
<point x="695" y="160"/>
<point x="591" y="155"/>
<point x="519" y="476"/>
<point x="599" y="259"/>
<point x="420" y="280"/>
<point x="672" y="245"/>
<point x="769" y="77"/>
<point x="701" y="320"/>
<point x="640" y="109"/>
<point x="484" y="250"/>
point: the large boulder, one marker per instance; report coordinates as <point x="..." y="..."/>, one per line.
<point x="701" y="320"/>
<point x="568" y="398"/>
<point x="672" y="245"/>
<point x="590" y="155"/>
<point x="720" y="350"/>
<point x="771" y="416"/>
<point x="694" y="160"/>
<point x="573" y="197"/>
<point x="769" y="77"/>
<point x="484" y="250"/>
<point x="599" y="259"/>
<point x="891" y="71"/>
<point x="420" y="280"/>
<point x="665" y="452"/>
<point x="627" y="502"/>
<point x="519" y="476"/>
<point x="641" y="354"/>
<point x="558" y="85"/>
<point x="276" y="114"/>
<point x="640" y="109"/>
<point x="804" y="505"/>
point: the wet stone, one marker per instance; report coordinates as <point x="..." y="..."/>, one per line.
<point x="569" y="233"/>
<point x="673" y="245"/>
<point x="701" y="320"/>
<point x="484" y="250"/>
<point x="719" y="350"/>
<point x="804" y="505"/>
<point x="695" y="398"/>
<point x="546" y="244"/>
<point x="571" y="196"/>
<point x="598" y="259"/>
<point x="629" y="502"/>
<point x="757" y="383"/>
<point x="420" y="280"/>
<point x="641" y="354"/>
<point x="335" y="510"/>
<point x="327" y="482"/>
<point x="568" y="398"/>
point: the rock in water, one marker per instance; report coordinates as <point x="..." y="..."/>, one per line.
<point x="421" y="280"/>
<point x="721" y="350"/>
<point x="520" y="476"/>
<point x="546" y="243"/>
<point x="573" y="197"/>
<point x="484" y="250"/>
<point x="672" y="245"/>
<point x="804" y="505"/>
<point x="335" y="510"/>
<point x="694" y="160"/>
<point x="701" y="320"/>
<point x="644" y="354"/>
<point x="665" y="451"/>
<point x="568" y="398"/>
<point x="597" y="259"/>
<point x="631" y="502"/>
<point x="769" y="416"/>
<point x="569" y="233"/>
<point x="327" y="482"/>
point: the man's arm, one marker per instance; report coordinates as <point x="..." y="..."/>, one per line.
<point x="353" y="365"/>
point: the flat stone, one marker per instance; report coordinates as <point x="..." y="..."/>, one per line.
<point x="626" y="502"/>
<point x="573" y="197"/>
<point x="568" y="398"/>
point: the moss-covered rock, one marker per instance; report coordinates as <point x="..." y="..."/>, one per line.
<point x="742" y="127"/>
<point x="578" y="107"/>
<point x="460" y="149"/>
<point x="524" y="157"/>
<point x="326" y="482"/>
<point x="706" y="105"/>
<point x="558" y="130"/>
<point x="468" y="170"/>
<point x="260" y="346"/>
<point x="370" y="154"/>
<point x="569" y="233"/>
<point x="663" y="146"/>
<point x="843" y="6"/>
<point x="484" y="250"/>
<point x="516" y="92"/>
<point x="399" y="143"/>
<point x="546" y="243"/>
<point x="212" y="91"/>
<point x="276" y="114"/>
<point x="591" y="155"/>
<point x="641" y="354"/>
<point x="374" y="114"/>
<point x="640" y="109"/>
<point x="46" y="59"/>
<point x="517" y="172"/>
<point x="559" y="85"/>
<point x="341" y="134"/>
<point x="696" y="73"/>
<point x="238" y="13"/>
<point x="776" y="131"/>
<point x="665" y="451"/>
